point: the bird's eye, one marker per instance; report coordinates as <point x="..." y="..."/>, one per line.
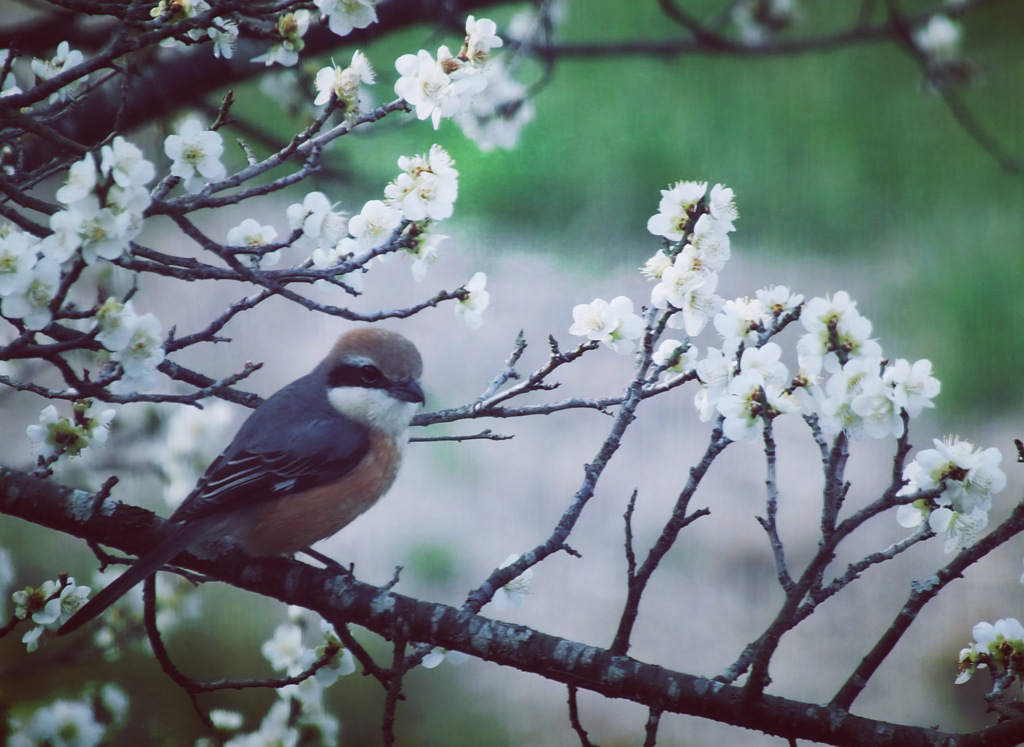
<point x="370" y="375"/>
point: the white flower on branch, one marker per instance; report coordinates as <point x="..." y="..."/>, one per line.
<point x="477" y="299"/>
<point x="140" y="356"/>
<point x="424" y="252"/>
<point x="438" y="655"/>
<point x="687" y="286"/>
<point x="343" y="251"/>
<point x="224" y="34"/>
<point x="939" y="38"/>
<point x="714" y="371"/>
<point x="739" y="322"/>
<point x="195" y="152"/>
<point x="125" y="164"/>
<point x="65" y="59"/>
<point x="710" y="241"/>
<point x="62" y="723"/>
<point x="436" y="89"/>
<point x="103" y="231"/>
<point x="285" y="649"/>
<point x="968" y="479"/>
<point x="31" y="304"/>
<point x="250" y="234"/>
<point x="344" y="84"/>
<point x="777" y="300"/>
<point x="513" y="594"/>
<point x="81" y="181"/>
<point x="756" y="393"/>
<point x="54" y="435"/>
<point x="655" y="267"/>
<point x="17" y="258"/>
<point x="999" y="646"/>
<point x="291" y="27"/>
<point x="427" y="188"/>
<point x="481" y="38"/>
<point x="684" y="355"/>
<point x="374" y="224"/>
<point x="967" y="476"/>
<point x="913" y="386"/>
<point x="836" y="332"/>
<point x="722" y="207"/>
<point x="316" y="217"/>
<point x="678" y="205"/>
<point x="612" y="323"/>
<point x="345" y="15"/>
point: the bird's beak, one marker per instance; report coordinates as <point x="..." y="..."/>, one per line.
<point x="407" y="391"/>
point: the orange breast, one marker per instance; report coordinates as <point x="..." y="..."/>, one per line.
<point x="293" y="522"/>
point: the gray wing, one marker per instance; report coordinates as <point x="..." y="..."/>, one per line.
<point x="293" y="441"/>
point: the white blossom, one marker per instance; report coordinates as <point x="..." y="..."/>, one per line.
<point x="471" y="308"/>
<point x="613" y="323"/>
<point x="346" y="85"/>
<point x="436" y="88"/>
<point x="65" y="59"/>
<point x="512" y="594"/>
<point x="676" y="208"/>
<point x="195" y="152"/>
<point x="141" y="355"/>
<point x="345" y="15"/>
<point x="427" y="188"/>
<point x="31" y="304"/>
<point x="374" y="225"/>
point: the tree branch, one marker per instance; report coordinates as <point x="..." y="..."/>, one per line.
<point x="400" y="618"/>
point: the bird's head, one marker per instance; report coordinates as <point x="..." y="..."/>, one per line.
<point x="373" y="378"/>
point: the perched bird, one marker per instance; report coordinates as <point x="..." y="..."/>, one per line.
<point x="307" y="461"/>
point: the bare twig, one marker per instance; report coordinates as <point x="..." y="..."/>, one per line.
<point x="574" y="719"/>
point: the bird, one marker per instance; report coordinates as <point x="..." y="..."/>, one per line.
<point x="307" y="461"/>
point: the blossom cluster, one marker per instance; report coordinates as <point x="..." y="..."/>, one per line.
<point x="959" y="482"/>
<point x="440" y="86"/>
<point x="223" y="32"/>
<point x="998" y="647"/>
<point x="287" y="653"/>
<point x="55" y="435"/>
<point x="65" y="59"/>
<point x="472" y="86"/>
<point x="695" y="224"/>
<point x="135" y="342"/>
<point x="105" y="199"/>
<point x="49" y="606"/>
<point x="423" y="193"/>
<point x="842" y="382"/>
<point x="87" y="721"/>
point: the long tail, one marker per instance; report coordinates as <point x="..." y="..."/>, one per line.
<point x="179" y="537"/>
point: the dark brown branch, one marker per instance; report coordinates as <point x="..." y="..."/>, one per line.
<point x="397" y="617"/>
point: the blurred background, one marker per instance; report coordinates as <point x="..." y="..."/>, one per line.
<point x="849" y="174"/>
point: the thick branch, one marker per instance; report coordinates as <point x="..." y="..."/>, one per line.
<point x="397" y="617"/>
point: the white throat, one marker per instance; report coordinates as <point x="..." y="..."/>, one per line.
<point x="374" y="408"/>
